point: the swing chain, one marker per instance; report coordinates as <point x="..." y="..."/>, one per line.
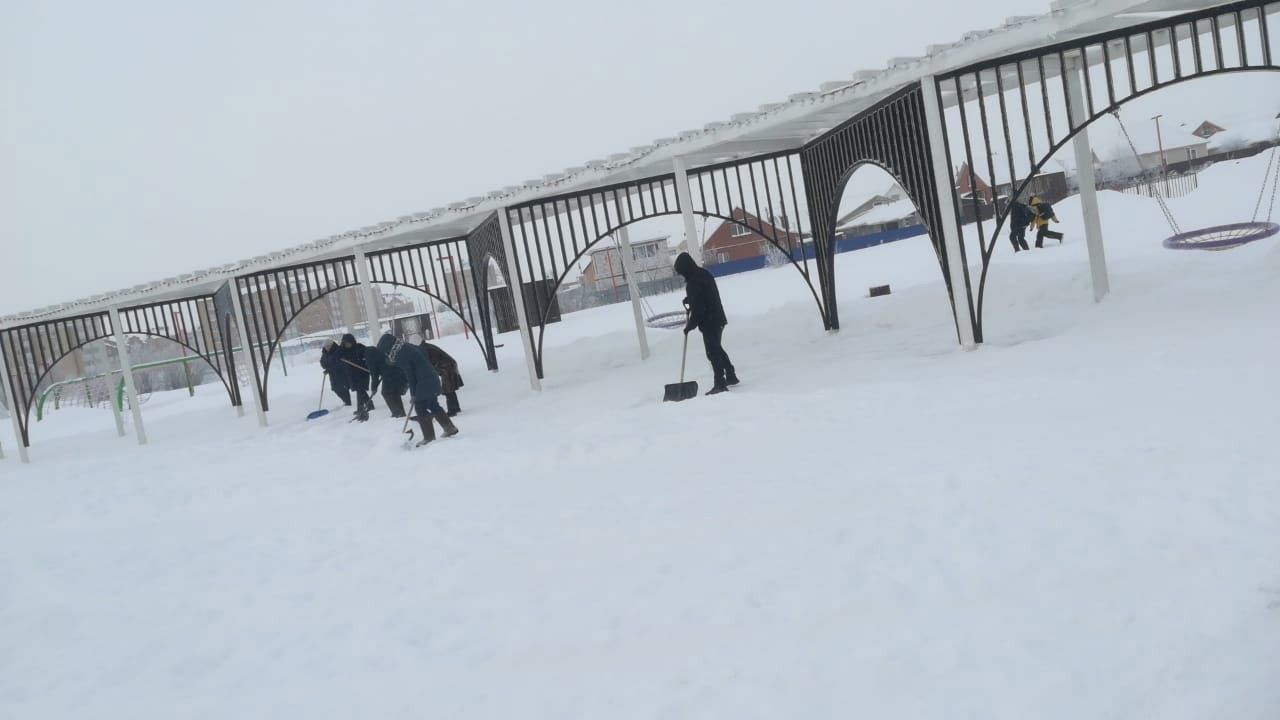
<point x="1155" y="190"/>
<point x="1257" y="207"/>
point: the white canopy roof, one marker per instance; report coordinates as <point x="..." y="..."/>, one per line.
<point x="777" y="126"/>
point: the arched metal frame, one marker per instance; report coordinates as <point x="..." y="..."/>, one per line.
<point x="434" y="266"/>
<point x="1114" y="68"/>
<point x="272" y="299"/>
<point x="193" y="323"/>
<point x="32" y="351"/>
<point x="893" y="136"/>
<point x="552" y="235"/>
<point x="483" y="244"/>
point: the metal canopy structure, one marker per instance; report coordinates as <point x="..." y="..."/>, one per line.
<point x="917" y="118"/>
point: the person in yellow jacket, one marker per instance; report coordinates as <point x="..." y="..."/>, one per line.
<point x="1043" y="216"/>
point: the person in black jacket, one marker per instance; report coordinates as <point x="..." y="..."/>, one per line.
<point x="1020" y="216"/>
<point x="450" y="379"/>
<point x="390" y="377"/>
<point x="339" y="379"/>
<point x="351" y="354"/>
<point x="706" y="313"/>
<point x="424" y="385"/>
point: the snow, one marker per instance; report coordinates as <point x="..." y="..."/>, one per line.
<point x="1077" y="520"/>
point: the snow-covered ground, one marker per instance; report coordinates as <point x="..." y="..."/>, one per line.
<point x="1081" y="519"/>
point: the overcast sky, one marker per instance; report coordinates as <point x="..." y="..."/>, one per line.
<point x="143" y="140"/>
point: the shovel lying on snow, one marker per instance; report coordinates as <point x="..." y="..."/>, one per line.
<point x="675" y="392"/>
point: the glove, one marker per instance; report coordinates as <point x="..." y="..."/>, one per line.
<point x="688" y="329"/>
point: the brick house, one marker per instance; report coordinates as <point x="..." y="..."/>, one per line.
<point x="735" y="241"/>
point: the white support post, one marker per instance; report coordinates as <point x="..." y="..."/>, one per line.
<point x="371" y="303"/>
<point x="517" y="297"/>
<point x="247" y="350"/>
<point x="624" y="249"/>
<point x="692" y="241"/>
<point x="1088" y="184"/>
<point x="13" y="408"/>
<point x="126" y="367"/>
<point x="112" y="400"/>
<point x="946" y="205"/>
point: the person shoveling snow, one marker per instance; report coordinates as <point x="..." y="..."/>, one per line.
<point x="706" y="313"/>
<point x="424" y="384"/>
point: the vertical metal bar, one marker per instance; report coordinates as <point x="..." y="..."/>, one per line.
<point x="551" y="252"/>
<point x="973" y="175"/>
<point x="1062" y="75"/>
<point x="1026" y="115"/>
<point x="986" y="144"/>
<point x="1008" y="138"/>
<point x="1044" y="96"/>
<point x="1151" y="60"/>
<point x="1241" y="45"/>
<point x="16" y="414"/>
<point x="796" y="204"/>
<point x="715" y="192"/>
<point x="565" y="256"/>
<point x="1197" y="52"/>
<point x="1175" y="46"/>
<point x="1129" y="65"/>
<point x="782" y="201"/>
<point x="1090" y="109"/>
<point x="1217" y="43"/>
<point x="768" y="198"/>
<point x="1264" y="33"/>
<point x="1111" y="83"/>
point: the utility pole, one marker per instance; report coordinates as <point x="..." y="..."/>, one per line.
<point x="1164" y="167"/>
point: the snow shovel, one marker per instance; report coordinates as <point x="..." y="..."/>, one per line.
<point x="408" y="444"/>
<point x="676" y="392"/>
<point x="320" y="412"/>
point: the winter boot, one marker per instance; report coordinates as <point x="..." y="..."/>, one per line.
<point x="446" y="424"/>
<point x="717" y="389"/>
<point x="731" y="378"/>
<point x="428" y="431"/>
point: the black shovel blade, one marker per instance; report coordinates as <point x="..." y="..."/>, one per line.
<point x="676" y="392"/>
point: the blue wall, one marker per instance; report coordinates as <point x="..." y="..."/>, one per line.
<point x="843" y="245"/>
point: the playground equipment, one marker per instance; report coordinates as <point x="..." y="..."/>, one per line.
<point x="1217" y="237"/>
<point x="97" y="390"/>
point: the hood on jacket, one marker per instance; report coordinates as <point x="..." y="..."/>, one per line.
<point x="348" y="338"/>
<point x="685" y="264"/>
<point x="389" y="346"/>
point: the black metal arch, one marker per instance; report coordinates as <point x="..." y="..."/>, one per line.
<point x="193" y="323"/>
<point x="422" y="267"/>
<point x="767" y="203"/>
<point x="31" y="351"/>
<point x="1115" y="68"/>
<point x="271" y="299"/>
<point x="483" y="244"/>
<point x="587" y="217"/>
<point x="891" y="135"/>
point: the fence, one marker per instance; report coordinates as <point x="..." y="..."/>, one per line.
<point x="1175" y="185"/>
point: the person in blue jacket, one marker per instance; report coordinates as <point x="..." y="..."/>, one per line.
<point x="424" y="385"/>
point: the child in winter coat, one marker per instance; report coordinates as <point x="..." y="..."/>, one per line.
<point x="1044" y="215"/>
